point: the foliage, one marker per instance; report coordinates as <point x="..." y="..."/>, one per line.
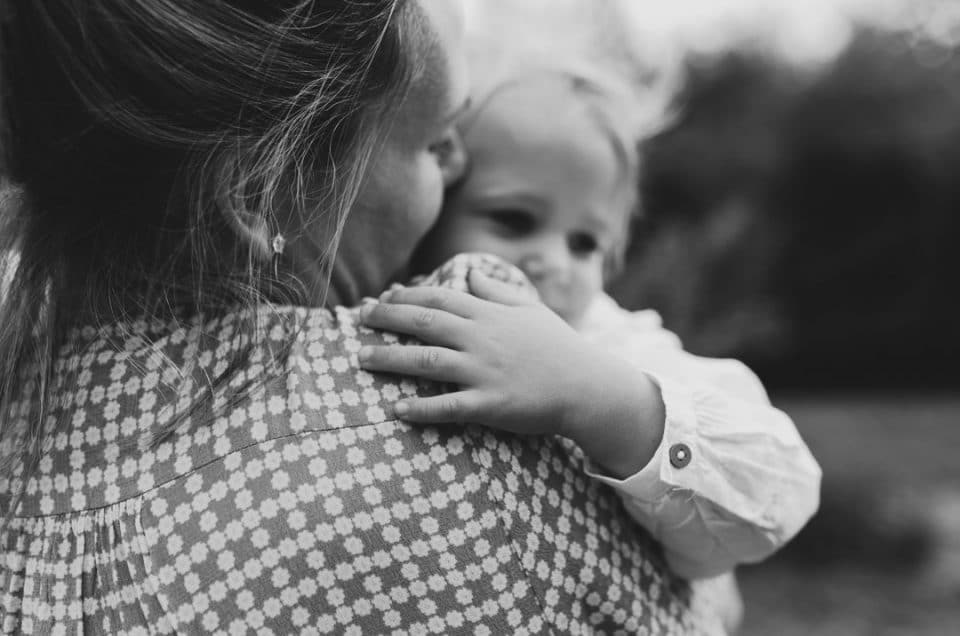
<point x="808" y="223"/>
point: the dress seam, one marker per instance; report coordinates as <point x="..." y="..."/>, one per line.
<point x="239" y="449"/>
<point x="517" y="558"/>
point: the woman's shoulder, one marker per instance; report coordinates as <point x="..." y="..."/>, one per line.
<point x="145" y="402"/>
<point x="301" y="485"/>
<point x="325" y="342"/>
<point x="320" y="324"/>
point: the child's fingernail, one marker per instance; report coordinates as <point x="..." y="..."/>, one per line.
<point x="365" y="312"/>
<point x="401" y="408"/>
<point x="364" y="354"/>
<point x="385" y="296"/>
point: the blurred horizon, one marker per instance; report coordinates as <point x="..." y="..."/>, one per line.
<point x="801" y="214"/>
<point x="809" y="32"/>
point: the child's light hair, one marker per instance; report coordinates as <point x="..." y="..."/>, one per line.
<point x="626" y="79"/>
<point x="602" y="40"/>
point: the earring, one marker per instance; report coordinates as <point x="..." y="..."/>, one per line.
<point x="277" y="244"/>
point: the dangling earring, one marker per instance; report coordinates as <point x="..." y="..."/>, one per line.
<point x="277" y="244"/>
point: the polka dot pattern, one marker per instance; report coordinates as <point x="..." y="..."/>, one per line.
<point x="298" y="505"/>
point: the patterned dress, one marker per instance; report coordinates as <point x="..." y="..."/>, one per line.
<point x="299" y="505"/>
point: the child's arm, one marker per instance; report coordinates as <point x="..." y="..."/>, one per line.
<point x="519" y="367"/>
<point x="751" y="482"/>
<point x="522" y="368"/>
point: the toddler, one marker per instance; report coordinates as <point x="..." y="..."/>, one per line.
<point x="550" y="188"/>
<point x="693" y="446"/>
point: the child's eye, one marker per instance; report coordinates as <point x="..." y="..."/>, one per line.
<point x="583" y="244"/>
<point x="513" y="222"/>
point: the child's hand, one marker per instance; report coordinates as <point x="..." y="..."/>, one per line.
<point x="507" y="352"/>
<point x="519" y="367"/>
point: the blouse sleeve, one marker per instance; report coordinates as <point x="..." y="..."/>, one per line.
<point x="731" y="481"/>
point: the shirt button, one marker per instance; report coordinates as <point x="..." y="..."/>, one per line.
<point x="680" y="455"/>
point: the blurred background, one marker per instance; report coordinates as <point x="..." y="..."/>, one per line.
<point x="801" y="213"/>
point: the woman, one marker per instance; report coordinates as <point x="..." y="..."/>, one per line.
<point x="189" y="444"/>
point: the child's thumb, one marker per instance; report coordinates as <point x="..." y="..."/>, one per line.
<point x="497" y="291"/>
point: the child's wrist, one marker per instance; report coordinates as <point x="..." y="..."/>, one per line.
<point x="618" y="418"/>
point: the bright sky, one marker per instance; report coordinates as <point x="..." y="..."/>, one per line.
<point x="803" y="31"/>
<point x="659" y="34"/>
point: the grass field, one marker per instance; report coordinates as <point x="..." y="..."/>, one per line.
<point x="883" y="556"/>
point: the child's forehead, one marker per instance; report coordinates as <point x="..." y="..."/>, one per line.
<point x="527" y="108"/>
<point x="554" y="100"/>
<point x="540" y="135"/>
<point x="550" y="111"/>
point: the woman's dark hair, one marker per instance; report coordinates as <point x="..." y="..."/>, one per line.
<point x="133" y="131"/>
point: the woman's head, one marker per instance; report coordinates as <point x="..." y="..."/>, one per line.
<point x="419" y="154"/>
<point x="551" y="186"/>
<point x="157" y="145"/>
<point x="145" y="134"/>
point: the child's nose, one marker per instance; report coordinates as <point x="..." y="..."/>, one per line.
<point x="551" y="259"/>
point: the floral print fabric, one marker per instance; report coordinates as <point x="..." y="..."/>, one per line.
<point x="299" y="505"/>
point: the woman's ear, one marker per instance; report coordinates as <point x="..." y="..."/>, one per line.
<point x="252" y="231"/>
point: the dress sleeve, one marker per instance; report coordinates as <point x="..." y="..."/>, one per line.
<point x="731" y="481"/>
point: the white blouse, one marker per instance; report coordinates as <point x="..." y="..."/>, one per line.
<point x="731" y="481"/>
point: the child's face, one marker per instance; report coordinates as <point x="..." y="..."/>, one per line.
<point x="544" y="191"/>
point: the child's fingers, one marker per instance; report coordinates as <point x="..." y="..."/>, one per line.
<point x="500" y="292"/>
<point x="434" y="326"/>
<point x="453" y="408"/>
<point x="452" y="301"/>
<point x="432" y="363"/>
